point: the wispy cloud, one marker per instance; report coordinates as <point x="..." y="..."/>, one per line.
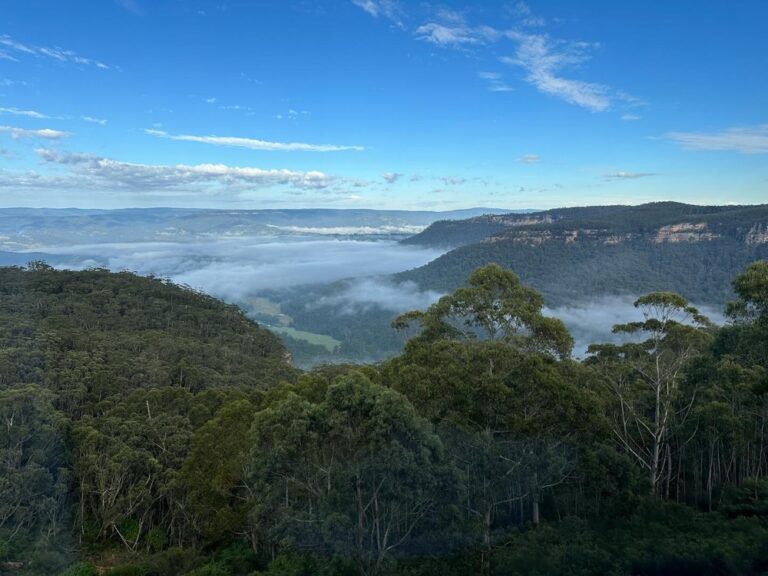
<point x="292" y="114"/>
<point x="253" y="143"/>
<point x="453" y="180"/>
<point x="27" y="113"/>
<point x="630" y="117"/>
<point x="621" y="175"/>
<point x="8" y="82"/>
<point x="237" y="107"/>
<point x="105" y="173"/>
<point x="92" y="120"/>
<point x="543" y="59"/>
<point x="747" y="139"/>
<point x="525" y="15"/>
<point x="46" y="133"/>
<point x="529" y="158"/>
<point x="495" y="82"/>
<point x="389" y="9"/>
<point x="392" y="177"/>
<point x="452" y="31"/>
<point x="9" y="46"/>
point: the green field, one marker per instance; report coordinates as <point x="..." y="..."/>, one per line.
<point x="327" y="342"/>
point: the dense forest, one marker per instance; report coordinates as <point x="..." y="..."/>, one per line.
<point x="580" y="253"/>
<point x="150" y="430"/>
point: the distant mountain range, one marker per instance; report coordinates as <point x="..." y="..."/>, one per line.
<point x="30" y="228"/>
<point x="576" y="253"/>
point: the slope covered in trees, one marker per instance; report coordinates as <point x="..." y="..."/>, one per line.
<point x="102" y="378"/>
<point x="484" y="448"/>
<point x="577" y="253"/>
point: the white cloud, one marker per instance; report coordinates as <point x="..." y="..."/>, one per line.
<point x="27" y="113"/>
<point x="747" y="140"/>
<point x="365" y="293"/>
<point x="630" y="117"/>
<point x="10" y="45"/>
<point x="46" y="133"/>
<point x="455" y="34"/>
<point x="392" y="177"/>
<point x="211" y="100"/>
<point x="253" y="143"/>
<point x="529" y="158"/>
<point x="235" y="268"/>
<point x="237" y="108"/>
<point x="495" y="82"/>
<point x="104" y="173"/>
<point x="293" y="114"/>
<point x="523" y="12"/>
<point x="389" y="9"/>
<point x="453" y="181"/>
<point x="500" y="87"/>
<point x="543" y="58"/>
<point x="92" y="120"/>
<point x="9" y="82"/>
<point x="621" y="175"/>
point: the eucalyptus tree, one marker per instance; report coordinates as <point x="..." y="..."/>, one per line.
<point x="491" y="371"/>
<point x="645" y="378"/>
<point x="493" y="305"/>
<point x="34" y="475"/>
<point x="358" y="474"/>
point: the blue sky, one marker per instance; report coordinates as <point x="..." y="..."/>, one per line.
<point x="382" y="103"/>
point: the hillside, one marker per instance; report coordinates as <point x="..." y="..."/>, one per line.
<point x="125" y="332"/>
<point x="145" y="433"/>
<point x="583" y="252"/>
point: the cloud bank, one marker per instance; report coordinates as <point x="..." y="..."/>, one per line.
<point x="99" y="172"/>
<point x="235" y="269"/>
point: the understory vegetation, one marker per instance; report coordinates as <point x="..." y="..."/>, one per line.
<point x="149" y="430"/>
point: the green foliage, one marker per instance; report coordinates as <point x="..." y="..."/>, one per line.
<point x="81" y="569"/>
<point x="90" y="336"/>
<point x="358" y="474"/>
<point x="34" y="478"/>
<point x="156" y="432"/>
<point x="213" y="472"/>
<point x="493" y="305"/>
<point x="751" y="287"/>
<point x="127" y="570"/>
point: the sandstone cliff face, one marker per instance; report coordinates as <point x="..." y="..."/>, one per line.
<point x="758" y="234"/>
<point x="684" y="232"/>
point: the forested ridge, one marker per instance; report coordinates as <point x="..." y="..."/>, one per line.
<point x="146" y="429"/>
<point x="572" y="254"/>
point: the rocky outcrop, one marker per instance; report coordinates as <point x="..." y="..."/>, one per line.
<point x="684" y="232"/>
<point x="758" y="234"/>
